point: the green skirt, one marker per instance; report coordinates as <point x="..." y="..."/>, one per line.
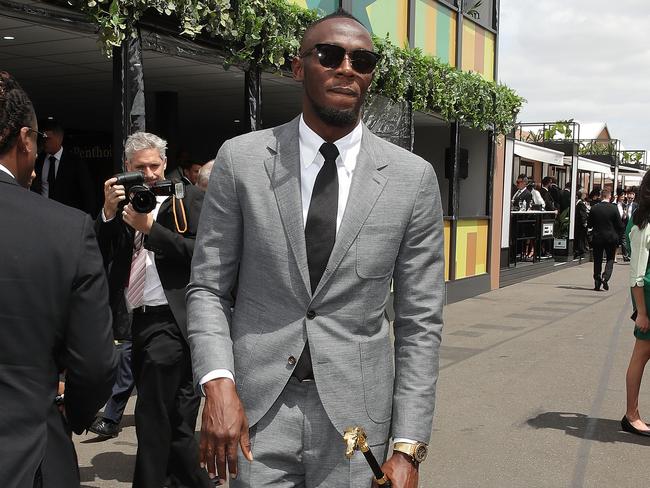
<point x="644" y="336"/>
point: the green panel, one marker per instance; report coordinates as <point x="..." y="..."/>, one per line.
<point x="443" y="34"/>
<point x="324" y="6"/>
<point x="383" y="17"/>
<point x="421" y="11"/>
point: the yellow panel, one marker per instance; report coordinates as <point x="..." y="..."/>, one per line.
<point x="479" y="228"/>
<point x="447" y="247"/>
<point x="469" y="40"/>
<point x="300" y="3"/>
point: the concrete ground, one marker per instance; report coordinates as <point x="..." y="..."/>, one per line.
<point x="531" y="393"/>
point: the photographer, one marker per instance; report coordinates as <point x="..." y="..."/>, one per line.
<point x="148" y="258"/>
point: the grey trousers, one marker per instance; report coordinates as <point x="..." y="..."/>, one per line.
<point x="296" y="445"/>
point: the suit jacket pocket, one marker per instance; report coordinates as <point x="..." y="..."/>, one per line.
<point x="378" y="374"/>
<point x="377" y="248"/>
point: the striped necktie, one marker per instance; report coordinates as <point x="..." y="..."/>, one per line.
<point x="135" y="292"/>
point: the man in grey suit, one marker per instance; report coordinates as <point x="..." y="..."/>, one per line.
<point x="314" y="219"/>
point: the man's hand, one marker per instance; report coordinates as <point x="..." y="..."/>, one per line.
<point x="139" y="221"/>
<point x="224" y="427"/>
<point x="401" y="472"/>
<point x="113" y="195"/>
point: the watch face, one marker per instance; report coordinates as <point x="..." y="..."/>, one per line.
<point x="420" y="453"/>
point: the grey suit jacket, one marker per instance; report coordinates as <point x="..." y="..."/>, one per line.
<point x="251" y="226"/>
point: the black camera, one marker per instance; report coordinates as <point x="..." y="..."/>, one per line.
<point x="143" y="197"/>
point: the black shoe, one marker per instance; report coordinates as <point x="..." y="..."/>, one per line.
<point x="628" y="427"/>
<point x="597" y="284"/>
<point x="104" y="428"/>
<point x="605" y="285"/>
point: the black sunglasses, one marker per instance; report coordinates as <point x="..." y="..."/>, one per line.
<point x="331" y="56"/>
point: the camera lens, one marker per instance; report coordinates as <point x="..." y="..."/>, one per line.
<point x="142" y="199"/>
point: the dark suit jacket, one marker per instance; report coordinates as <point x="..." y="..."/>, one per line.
<point x="74" y="186"/>
<point x="526" y="196"/>
<point x="173" y="251"/>
<point x="565" y="200"/>
<point x="607" y="224"/>
<point x="549" y="204"/>
<point x="54" y="316"/>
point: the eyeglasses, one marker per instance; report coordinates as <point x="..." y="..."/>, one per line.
<point x="42" y="135"/>
<point x="331" y="56"/>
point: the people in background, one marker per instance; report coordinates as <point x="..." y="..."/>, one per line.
<point x="522" y="199"/>
<point x="607" y="224"/>
<point x="565" y="197"/>
<point x="581" y="225"/>
<point x="61" y="175"/>
<point x="204" y="175"/>
<point x="549" y="204"/>
<point x="191" y="171"/>
<point x="148" y="256"/>
<point x="638" y="239"/>
<point x="537" y="202"/>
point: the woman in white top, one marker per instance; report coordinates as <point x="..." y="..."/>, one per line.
<point x="638" y="240"/>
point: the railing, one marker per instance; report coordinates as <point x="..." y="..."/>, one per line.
<point x="539" y="132"/>
<point x="634" y="158"/>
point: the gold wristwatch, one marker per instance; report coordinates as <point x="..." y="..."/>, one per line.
<point x="417" y="451"/>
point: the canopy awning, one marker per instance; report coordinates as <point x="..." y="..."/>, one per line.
<point x="632" y="180"/>
<point x="538" y="153"/>
<point x="585" y="164"/>
<point x="627" y="170"/>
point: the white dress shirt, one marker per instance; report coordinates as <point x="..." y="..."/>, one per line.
<point x="5" y="170"/>
<point x="311" y="162"/>
<point x="45" y="186"/>
<point x="153" y="291"/>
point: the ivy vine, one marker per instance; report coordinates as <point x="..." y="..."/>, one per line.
<point x="266" y="33"/>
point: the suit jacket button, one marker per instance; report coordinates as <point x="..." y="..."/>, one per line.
<point x="291" y="360"/>
<point x="311" y="314"/>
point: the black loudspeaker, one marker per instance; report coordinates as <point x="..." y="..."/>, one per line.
<point x="463" y="163"/>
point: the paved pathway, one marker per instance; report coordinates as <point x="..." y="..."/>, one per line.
<point x="531" y="393"/>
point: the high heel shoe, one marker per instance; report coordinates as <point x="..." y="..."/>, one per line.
<point x="628" y="427"/>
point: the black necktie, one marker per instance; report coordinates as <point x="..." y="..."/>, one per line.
<point x="51" y="177"/>
<point x="320" y="233"/>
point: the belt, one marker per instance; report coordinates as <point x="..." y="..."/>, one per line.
<point x="151" y="309"/>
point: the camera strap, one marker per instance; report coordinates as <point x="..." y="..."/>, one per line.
<point x="178" y="228"/>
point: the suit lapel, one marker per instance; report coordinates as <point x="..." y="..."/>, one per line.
<point x="367" y="185"/>
<point x="283" y="169"/>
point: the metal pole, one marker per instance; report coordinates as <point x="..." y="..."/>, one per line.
<point x="253" y="101"/>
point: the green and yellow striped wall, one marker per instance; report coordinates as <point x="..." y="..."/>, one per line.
<point x="478" y="50"/>
<point x="435" y="30"/>
<point x="471" y="247"/>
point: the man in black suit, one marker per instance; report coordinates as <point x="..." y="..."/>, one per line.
<point x="549" y="203"/>
<point x="148" y="256"/>
<point x="607" y="227"/>
<point x="61" y="175"/>
<point x="565" y="197"/>
<point x="55" y="315"/>
<point x="522" y="199"/>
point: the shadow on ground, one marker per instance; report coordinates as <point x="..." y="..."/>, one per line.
<point x="585" y="427"/>
<point x="109" y="466"/>
<point x="567" y="287"/>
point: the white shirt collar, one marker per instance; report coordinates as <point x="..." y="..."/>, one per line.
<point x="310" y="143"/>
<point x="57" y="154"/>
<point x="4" y="169"/>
